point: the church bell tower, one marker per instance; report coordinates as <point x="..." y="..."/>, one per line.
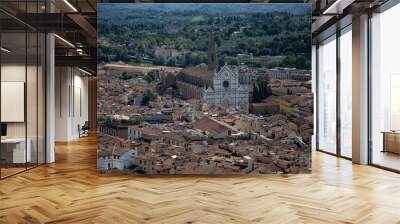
<point x="212" y="54"/>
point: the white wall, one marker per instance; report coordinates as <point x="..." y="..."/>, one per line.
<point x="11" y="73"/>
<point x="17" y="73"/>
<point x="71" y="103"/>
<point x="81" y="102"/>
<point x="61" y="103"/>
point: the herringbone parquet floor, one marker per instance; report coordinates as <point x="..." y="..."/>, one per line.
<point x="70" y="191"/>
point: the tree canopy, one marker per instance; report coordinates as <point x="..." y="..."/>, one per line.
<point x="133" y="34"/>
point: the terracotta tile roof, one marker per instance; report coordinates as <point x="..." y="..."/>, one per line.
<point x="109" y="145"/>
<point x="200" y="72"/>
<point x="213" y="127"/>
<point x="151" y="131"/>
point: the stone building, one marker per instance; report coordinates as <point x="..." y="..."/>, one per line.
<point x="226" y="90"/>
<point x="167" y="52"/>
<point x="214" y="87"/>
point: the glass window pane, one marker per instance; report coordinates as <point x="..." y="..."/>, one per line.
<point x="41" y="98"/>
<point x="31" y="97"/>
<point x="327" y="96"/>
<point x="13" y="87"/>
<point x="23" y="89"/>
<point x="346" y="93"/>
<point x="385" y="89"/>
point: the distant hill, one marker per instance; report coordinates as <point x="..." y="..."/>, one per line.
<point x="296" y="8"/>
<point x="177" y="34"/>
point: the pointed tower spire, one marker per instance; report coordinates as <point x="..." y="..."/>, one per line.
<point x="212" y="54"/>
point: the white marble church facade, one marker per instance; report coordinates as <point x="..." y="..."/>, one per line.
<point x="227" y="91"/>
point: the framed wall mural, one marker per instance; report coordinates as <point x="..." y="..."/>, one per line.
<point x="204" y="88"/>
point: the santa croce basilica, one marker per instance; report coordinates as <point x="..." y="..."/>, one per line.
<point x="215" y="87"/>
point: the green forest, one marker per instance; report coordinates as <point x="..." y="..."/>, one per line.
<point x="243" y="35"/>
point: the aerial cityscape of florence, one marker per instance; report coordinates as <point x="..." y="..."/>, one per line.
<point x="204" y="88"/>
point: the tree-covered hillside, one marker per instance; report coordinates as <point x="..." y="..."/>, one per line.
<point x="245" y="33"/>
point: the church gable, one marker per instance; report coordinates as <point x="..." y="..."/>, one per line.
<point x="226" y="73"/>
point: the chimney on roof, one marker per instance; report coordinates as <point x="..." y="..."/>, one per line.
<point x="212" y="53"/>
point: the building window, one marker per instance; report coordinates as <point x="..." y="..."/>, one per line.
<point x="385" y="89"/>
<point x="346" y="92"/>
<point x="327" y="95"/>
<point x="225" y="84"/>
<point x="22" y="106"/>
